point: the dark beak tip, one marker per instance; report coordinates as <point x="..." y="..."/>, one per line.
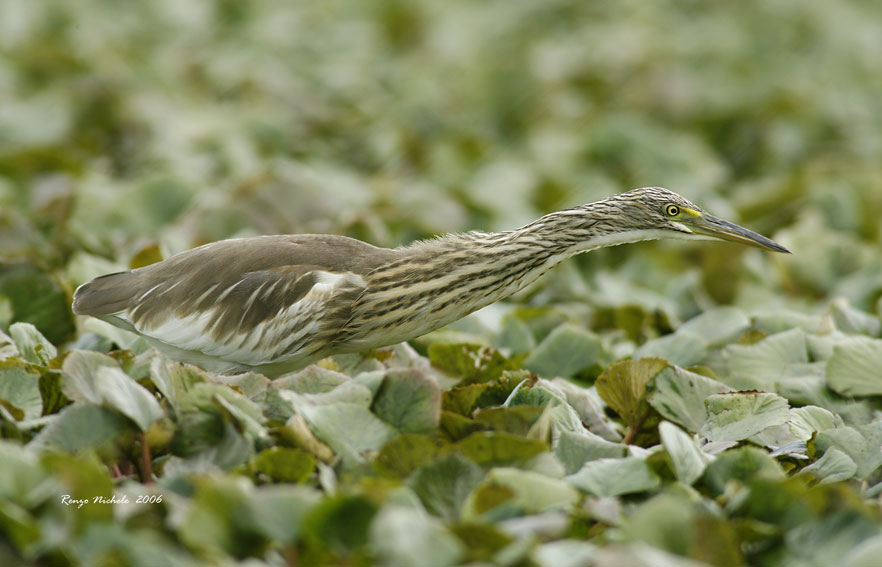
<point x="775" y="247"/>
<point x="778" y="248"/>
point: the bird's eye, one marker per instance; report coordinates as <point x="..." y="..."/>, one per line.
<point x="672" y="210"/>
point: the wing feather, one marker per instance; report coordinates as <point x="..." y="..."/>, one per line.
<point x="246" y="303"/>
<point x="266" y="327"/>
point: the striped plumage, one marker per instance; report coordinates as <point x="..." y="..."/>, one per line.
<point x="276" y="303"/>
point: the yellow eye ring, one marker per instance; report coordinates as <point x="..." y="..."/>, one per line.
<point x="672" y="210"/>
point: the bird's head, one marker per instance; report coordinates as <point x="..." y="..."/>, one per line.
<point x="656" y="208"/>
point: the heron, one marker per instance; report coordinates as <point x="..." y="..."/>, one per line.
<point x="274" y="304"/>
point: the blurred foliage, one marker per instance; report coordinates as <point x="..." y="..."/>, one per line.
<point x="130" y="131"/>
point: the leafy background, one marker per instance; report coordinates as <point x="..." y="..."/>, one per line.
<point x="657" y="404"/>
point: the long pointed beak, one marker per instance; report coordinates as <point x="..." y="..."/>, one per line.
<point x="710" y="225"/>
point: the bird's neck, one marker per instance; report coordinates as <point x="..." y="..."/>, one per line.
<point x="535" y="248"/>
<point x="438" y="281"/>
<point x="563" y="234"/>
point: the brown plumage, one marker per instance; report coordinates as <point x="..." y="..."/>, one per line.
<point x="225" y="275"/>
<point x="276" y="303"/>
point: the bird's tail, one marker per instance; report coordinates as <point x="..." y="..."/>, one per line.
<point x="106" y="294"/>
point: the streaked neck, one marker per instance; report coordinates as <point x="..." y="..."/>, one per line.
<point x="438" y="281"/>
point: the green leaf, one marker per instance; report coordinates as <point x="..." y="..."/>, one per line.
<point x="174" y="380"/>
<point x="278" y="510"/>
<point x="485" y="540"/>
<point x="51" y="392"/>
<point x="443" y="484"/>
<point x="775" y="321"/>
<point x="828" y="539"/>
<point x="406" y="536"/>
<point x="759" y="366"/>
<point x="95" y="378"/>
<point x="674" y="523"/>
<point x="664" y="521"/>
<point x="679" y="396"/>
<point x="515" y="335"/>
<point x="80" y="426"/>
<point x="465" y="399"/>
<point x="9" y="413"/>
<point x="220" y="517"/>
<point x="775" y="504"/>
<point x="614" y="477"/>
<point x="20" y="387"/>
<point x="820" y="347"/>
<point x="372" y="380"/>
<point x="530" y="492"/>
<point x="554" y="422"/>
<point x="575" y="449"/>
<point x="210" y="417"/>
<point x="565" y="553"/>
<point x="717" y="326"/>
<point x="686" y="458"/>
<point x="198" y="430"/>
<point x="589" y="408"/>
<point x="813" y="390"/>
<point x="37" y="299"/>
<point x="623" y="387"/>
<point x="350" y="429"/>
<point x="494" y="448"/>
<point x="311" y="380"/>
<point x="350" y="392"/>
<point x="409" y="400"/>
<point x="275" y="408"/>
<point x="861" y="443"/>
<point x="157" y="200"/>
<point x="743" y="464"/>
<point x="850" y="320"/>
<point x="283" y="465"/>
<point x="252" y="385"/>
<point x="245" y="412"/>
<point x="406" y="453"/>
<point x="854" y="368"/>
<point x="682" y="348"/>
<point x="456" y="427"/>
<point x="233" y="450"/>
<point x="32" y="345"/>
<point x="340" y="523"/>
<point x="489" y="497"/>
<point x="807" y="420"/>
<point x="102" y="543"/>
<point x="864" y="554"/>
<point x="21" y="529"/>
<point x="833" y="466"/>
<point x="83" y="477"/>
<point x="462" y="400"/>
<point x="516" y="420"/>
<point x="536" y="396"/>
<point x="777" y="437"/>
<point x="124" y="339"/>
<point x="469" y="362"/>
<point x="734" y="416"/>
<point x="566" y="351"/>
<point x="297" y="432"/>
<point x="22" y="475"/>
<point x="7" y="345"/>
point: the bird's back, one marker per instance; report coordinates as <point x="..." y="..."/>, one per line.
<point x="236" y="300"/>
